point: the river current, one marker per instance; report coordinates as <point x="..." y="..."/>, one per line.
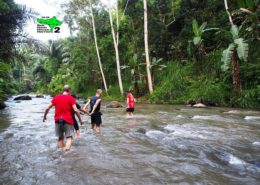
<point x="160" y="144"/>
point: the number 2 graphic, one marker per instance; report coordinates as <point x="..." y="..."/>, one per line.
<point x="57" y="30"/>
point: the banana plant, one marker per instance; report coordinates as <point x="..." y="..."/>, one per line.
<point x="237" y="50"/>
<point x="156" y="64"/>
<point x="198" y="33"/>
<point x="199" y="30"/>
<point x="136" y="76"/>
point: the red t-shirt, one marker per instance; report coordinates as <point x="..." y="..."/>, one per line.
<point x="63" y="107"/>
<point x="131" y="101"/>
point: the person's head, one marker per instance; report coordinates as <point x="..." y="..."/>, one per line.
<point x="66" y="88"/>
<point x="127" y="91"/>
<point x="99" y="92"/>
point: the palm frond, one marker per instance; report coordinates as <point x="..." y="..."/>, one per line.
<point x="242" y="49"/>
<point x="226" y="56"/>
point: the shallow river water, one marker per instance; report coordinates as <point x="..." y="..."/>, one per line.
<point x="160" y="144"/>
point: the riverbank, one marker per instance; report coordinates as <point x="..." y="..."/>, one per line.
<point x="139" y="100"/>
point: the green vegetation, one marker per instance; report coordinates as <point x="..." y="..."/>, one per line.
<point x="193" y="53"/>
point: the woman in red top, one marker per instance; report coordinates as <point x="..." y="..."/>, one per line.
<point x="130" y="103"/>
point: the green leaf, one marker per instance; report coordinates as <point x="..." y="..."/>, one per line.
<point x="226" y="56"/>
<point x="210" y="29"/>
<point x="234" y="31"/>
<point x="242" y="49"/>
<point x="195" y="28"/>
<point x="202" y="27"/>
<point x="124" y="67"/>
<point x="196" y="40"/>
<point x="150" y="2"/>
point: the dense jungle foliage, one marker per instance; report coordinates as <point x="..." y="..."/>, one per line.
<point x="196" y="52"/>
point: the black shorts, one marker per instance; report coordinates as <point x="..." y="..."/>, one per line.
<point x="96" y="119"/>
<point x="130" y="110"/>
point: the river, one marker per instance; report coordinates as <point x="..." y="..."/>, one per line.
<point x="160" y="144"/>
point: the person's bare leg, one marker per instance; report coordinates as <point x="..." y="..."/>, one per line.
<point x="68" y="143"/>
<point x="92" y="126"/>
<point x="60" y="143"/>
<point x="77" y="133"/>
<point x="97" y="129"/>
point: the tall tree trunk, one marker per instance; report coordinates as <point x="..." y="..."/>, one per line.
<point x="237" y="87"/>
<point x="96" y="44"/>
<point x="117" y="24"/>
<point x="148" y="64"/>
<point x="117" y="53"/>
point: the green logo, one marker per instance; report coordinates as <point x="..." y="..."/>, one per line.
<point x="53" y="23"/>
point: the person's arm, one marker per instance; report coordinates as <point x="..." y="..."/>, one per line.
<point x="86" y="105"/>
<point x="47" y="111"/>
<point x="77" y="113"/>
<point x="127" y="102"/>
<point x="95" y="106"/>
<point x="81" y="109"/>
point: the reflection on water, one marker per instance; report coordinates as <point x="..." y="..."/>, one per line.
<point x="160" y="144"/>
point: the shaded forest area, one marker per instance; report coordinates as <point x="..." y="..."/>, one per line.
<point x="203" y="51"/>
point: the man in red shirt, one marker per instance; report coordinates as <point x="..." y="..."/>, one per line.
<point x="130" y="103"/>
<point x="65" y="105"/>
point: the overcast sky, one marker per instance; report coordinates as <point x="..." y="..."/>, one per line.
<point x="47" y="8"/>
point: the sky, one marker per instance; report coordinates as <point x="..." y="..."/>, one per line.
<point x="48" y="8"/>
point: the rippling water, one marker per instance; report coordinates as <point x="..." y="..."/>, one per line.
<point x="161" y="144"/>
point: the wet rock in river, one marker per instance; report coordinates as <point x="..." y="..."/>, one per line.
<point x="210" y="104"/>
<point x="23" y="97"/>
<point x="190" y="103"/>
<point x="199" y="105"/>
<point x="202" y="103"/>
<point x="114" y="104"/>
<point x="141" y="130"/>
<point x="2" y="105"/>
<point x="39" y="96"/>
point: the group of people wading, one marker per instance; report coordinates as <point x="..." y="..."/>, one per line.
<point x="66" y="108"/>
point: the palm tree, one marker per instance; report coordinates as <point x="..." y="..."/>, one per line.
<point x="12" y="19"/>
